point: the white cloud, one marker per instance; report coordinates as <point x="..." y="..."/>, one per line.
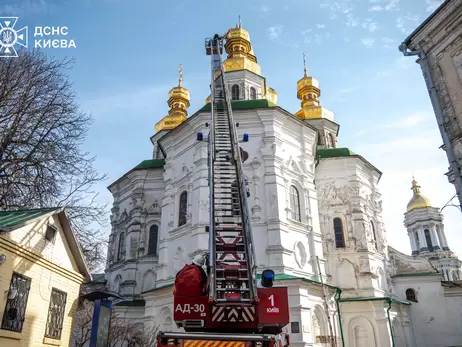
<point x="409" y="121"/>
<point x="376" y="8"/>
<point x="389" y="43"/>
<point x="392" y="5"/>
<point x="320" y="26"/>
<point x="264" y="9"/>
<point x="407" y="23"/>
<point x="369" y="25"/>
<point x="352" y="21"/>
<point x="432" y="5"/>
<point x="314" y="37"/>
<point x="275" y="31"/>
<point x="27" y="8"/>
<point x="368" y="42"/>
<point x="406" y="122"/>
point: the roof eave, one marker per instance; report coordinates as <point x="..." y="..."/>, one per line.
<point x="74" y="245"/>
<point x="408" y="39"/>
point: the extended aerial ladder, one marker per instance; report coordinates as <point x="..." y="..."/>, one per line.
<point x="233" y="307"/>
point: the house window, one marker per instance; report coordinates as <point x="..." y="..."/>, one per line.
<point x="338" y="231"/>
<point x="121" y="253"/>
<point x="153" y="235"/>
<point x="183" y="208"/>
<point x="16" y="303"/>
<point x="253" y="93"/>
<point x="294" y="204"/>
<point x="235" y="92"/>
<point x="330" y="141"/>
<point x="410" y="295"/>
<point x="56" y="314"/>
<point x="373" y="234"/>
<point x="428" y="239"/>
<point x="50" y="233"/>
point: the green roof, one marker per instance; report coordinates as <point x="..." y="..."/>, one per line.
<point x="10" y="219"/>
<point x="282" y="277"/>
<point x="132" y="303"/>
<point x="334" y="152"/>
<point x="244" y="104"/>
<point x="150" y="164"/>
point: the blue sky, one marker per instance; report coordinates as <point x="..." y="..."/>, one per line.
<point x="127" y="59"/>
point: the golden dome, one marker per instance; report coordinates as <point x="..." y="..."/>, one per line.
<point x="240" y="57"/>
<point x="418" y="200"/>
<point x="240" y="52"/>
<point x="178" y="100"/>
<point x="308" y="92"/>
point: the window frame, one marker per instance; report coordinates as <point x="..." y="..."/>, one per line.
<point x="13" y="303"/>
<point x="235" y="91"/>
<point x="428" y="237"/>
<point x="59" y="312"/>
<point x="121" y="249"/>
<point x="252" y="93"/>
<point x="149" y="250"/>
<point x="342" y="233"/>
<point x="411" y="295"/>
<point x="294" y="203"/>
<point x="182" y="208"/>
<point x="374" y="234"/>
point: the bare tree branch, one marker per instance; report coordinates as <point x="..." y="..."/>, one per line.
<point x="42" y="131"/>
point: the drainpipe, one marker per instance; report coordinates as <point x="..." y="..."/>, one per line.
<point x="439" y="117"/>
<point x="389" y="322"/>
<point x="338" y="294"/>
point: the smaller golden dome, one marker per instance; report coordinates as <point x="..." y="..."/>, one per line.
<point x="418" y="200"/>
<point x="178" y="101"/>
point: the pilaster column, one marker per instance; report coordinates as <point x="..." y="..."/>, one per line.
<point x="286" y="189"/>
<point x="435" y="240"/>
<point x="422" y="240"/>
<point x="442" y="237"/>
<point x="413" y="242"/>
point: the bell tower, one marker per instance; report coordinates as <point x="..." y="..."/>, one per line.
<point x="425" y="229"/>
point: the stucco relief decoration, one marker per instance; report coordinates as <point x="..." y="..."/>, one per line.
<point x="273" y="204"/>
<point x="300" y="254"/>
<point x="115" y="214"/>
<point x="178" y="261"/>
<point x="203" y="204"/>
<point x="123" y="217"/>
<point x="374" y="202"/>
<point x="364" y="240"/>
<point x="256" y="212"/>
<point x="156" y="207"/>
<point x="457" y="59"/>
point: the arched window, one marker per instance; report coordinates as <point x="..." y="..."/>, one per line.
<point x="183" y="209"/>
<point x="153" y="235"/>
<point x="235" y="92"/>
<point x="373" y="234"/>
<point x="294" y="204"/>
<point x="428" y="239"/>
<point x="330" y="141"/>
<point x="410" y="295"/>
<point x="253" y="93"/>
<point x="417" y="241"/>
<point x="121" y="253"/>
<point x="338" y="231"/>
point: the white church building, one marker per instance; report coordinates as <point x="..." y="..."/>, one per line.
<point x="309" y="199"/>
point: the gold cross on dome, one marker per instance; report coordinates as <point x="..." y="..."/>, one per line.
<point x="180" y="81"/>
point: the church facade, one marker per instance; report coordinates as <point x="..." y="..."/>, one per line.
<point x="316" y="214"/>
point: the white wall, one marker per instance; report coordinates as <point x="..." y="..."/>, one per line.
<point x="437" y="316"/>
